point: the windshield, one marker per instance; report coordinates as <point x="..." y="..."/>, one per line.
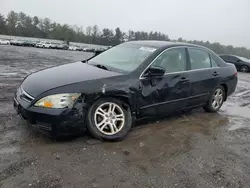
<point x="123" y="58"/>
<point x="244" y="59"/>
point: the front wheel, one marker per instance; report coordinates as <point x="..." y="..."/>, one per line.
<point x="216" y="99"/>
<point x="109" y="119"/>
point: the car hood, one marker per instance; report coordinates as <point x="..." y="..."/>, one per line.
<point x="55" y="77"/>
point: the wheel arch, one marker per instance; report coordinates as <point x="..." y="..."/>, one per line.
<point x="127" y="100"/>
<point x="224" y="85"/>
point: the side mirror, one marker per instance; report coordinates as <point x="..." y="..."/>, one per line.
<point x="238" y="60"/>
<point x="155" y="72"/>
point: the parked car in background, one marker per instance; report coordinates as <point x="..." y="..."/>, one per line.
<point x="133" y="80"/>
<point x="44" y="45"/>
<point x="53" y="45"/>
<point x="13" y="42"/>
<point x="5" y="42"/>
<point x="48" y="45"/>
<point x="75" y="48"/>
<point x="29" y="43"/>
<point x="40" y="44"/>
<point x="62" y="46"/>
<point x="241" y="63"/>
<point x="17" y="42"/>
<point x="89" y="50"/>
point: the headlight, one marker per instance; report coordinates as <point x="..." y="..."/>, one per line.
<point x="65" y="100"/>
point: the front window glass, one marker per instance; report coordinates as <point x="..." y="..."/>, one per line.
<point x="173" y="60"/>
<point x="123" y="58"/>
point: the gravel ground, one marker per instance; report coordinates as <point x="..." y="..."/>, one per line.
<point x="196" y="149"/>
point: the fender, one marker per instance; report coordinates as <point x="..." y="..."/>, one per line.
<point x="126" y="95"/>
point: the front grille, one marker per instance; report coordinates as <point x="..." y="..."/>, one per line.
<point x="24" y="95"/>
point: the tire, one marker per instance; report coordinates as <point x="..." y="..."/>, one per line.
<point x="120" y="128"/>
<point x="210" y="106"/>
<point x="244" y="68"/>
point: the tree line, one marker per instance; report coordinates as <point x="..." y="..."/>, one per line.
<point x="20" y="24"/>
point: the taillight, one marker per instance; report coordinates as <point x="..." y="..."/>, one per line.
<point x="236" y="74"/>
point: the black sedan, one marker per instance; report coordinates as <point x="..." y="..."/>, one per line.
<point x="138" y="79"/>
<point x="242" y="64"/>
<point x="29" y="43"/>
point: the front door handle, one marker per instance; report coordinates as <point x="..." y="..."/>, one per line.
<point x="184" y="79"/>
<point x="215" y="73"/>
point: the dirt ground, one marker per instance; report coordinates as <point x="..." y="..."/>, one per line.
<point x="191" y="150"/>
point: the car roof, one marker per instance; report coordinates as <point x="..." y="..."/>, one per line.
<point x="229" y="55"/>
<point x="161" y="44"/>
<point x="226" y="54"/>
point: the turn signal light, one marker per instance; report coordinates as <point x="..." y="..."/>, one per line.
<point x="48" y="104"/>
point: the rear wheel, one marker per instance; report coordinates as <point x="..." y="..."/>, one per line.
<point x="244" y="68"/>
<point x="216" y="99"/>
<point x="109" y="119"/>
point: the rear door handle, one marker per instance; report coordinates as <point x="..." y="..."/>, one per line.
<point x="184" y="79"/>
<point x="215" y="73"/>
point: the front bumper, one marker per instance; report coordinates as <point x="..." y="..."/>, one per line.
<point x="54" y="121"/>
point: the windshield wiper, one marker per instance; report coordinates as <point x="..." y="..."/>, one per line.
<point x="101" y="66"/>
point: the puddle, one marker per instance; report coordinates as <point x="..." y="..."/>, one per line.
<point x="237" y="111"/>
<point x="242" y="93"/>
<point x="169" y="136"/>
<point x="238" y="123"/>
<point x="8" y="74"/>
<point x="8" y="150"/>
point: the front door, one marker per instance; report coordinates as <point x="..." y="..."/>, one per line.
<point x="168" y="93"/>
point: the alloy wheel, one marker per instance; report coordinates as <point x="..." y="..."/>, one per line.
<point x="109" y="118"/>
<point x="217" y="98"/>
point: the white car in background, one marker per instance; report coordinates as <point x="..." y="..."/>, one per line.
<point x="75" y="48"/>
<point x="44" y="45"/>
<point x="71" y="47"/>
<point x="39" y="44"/>
<point x="6" y="42"/>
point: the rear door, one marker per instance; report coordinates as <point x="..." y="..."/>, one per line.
<point x="204" y="75"/>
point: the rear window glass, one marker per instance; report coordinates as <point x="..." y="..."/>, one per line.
<point x="199" y="59"/>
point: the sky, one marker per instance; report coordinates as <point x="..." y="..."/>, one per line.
<point x="224" y="21"/>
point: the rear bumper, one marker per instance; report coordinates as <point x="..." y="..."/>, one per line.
<point x="232" y="84"/>
<point x="55" y="121"/>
